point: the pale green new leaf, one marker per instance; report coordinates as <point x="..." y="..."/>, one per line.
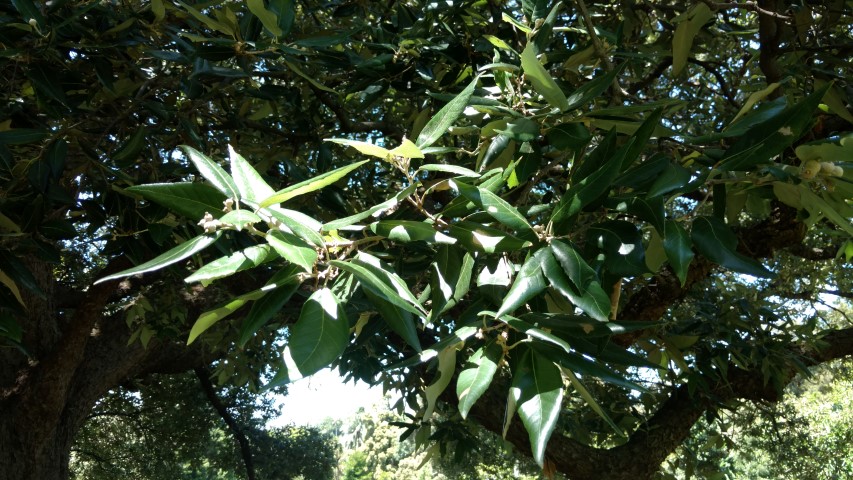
<point x="407" y="149"/>
<point x="685" y="33"/>
<point x="181" y="252"/>
<point x="311" y="185"/>
<point x="474" y="380"/>
<point x="210" y="317"/>
<point x="238" y="261"/>
<point x="364" y="147"/>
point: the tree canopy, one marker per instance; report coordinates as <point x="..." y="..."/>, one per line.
<point x="582" y="225"/>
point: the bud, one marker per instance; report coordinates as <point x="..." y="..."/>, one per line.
<point x="810" y="169"/>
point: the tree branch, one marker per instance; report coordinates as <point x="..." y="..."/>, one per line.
<point x="210" y="392"/>
<point x="751" y="6"/>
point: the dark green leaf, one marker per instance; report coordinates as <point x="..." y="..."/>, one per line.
<point x="398" y="319"/>
<point x="476" y="378"/>
<point x="622" y="246"/>
<point x="537" y="390"/>
<point x="569" y="136"/>
<point x="21" y="136"/>
<point x="715" y="241"/>
<point x="529" y="283"/>
<point x="677" y="245"/>
<point x="591" y="299"/>
<point x="192" y="200"/>
<point x="409" y="231"/>
<point x="387" y="204"/>
<point x="497" y="207"/>
<point x="673" y="177"/>
<point x="592" y="89"/>
<point x="445" y="117"/>
<point x="477" y="237"/>
<point x="278" y="290"/>
<point x="320" y="335"/>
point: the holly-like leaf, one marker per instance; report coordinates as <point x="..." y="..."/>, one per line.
<point x="476" y="378"/>
<point x="716" y="241"/>
<point x="537" y="390"/>
<point x="320" y="335"/>
<point x="181" y="252"/>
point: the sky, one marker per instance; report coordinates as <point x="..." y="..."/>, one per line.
<point x="310" y="400"/>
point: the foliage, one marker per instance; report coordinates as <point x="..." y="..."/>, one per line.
<point x="124" y="437"/>
<point x="498" y="205"/>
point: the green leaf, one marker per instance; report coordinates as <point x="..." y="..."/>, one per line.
<point x="495" y="206"/>
<point x="364" y="147"/>
<point x="578" y="270"/>
<point x="29" y="11"/>
<point x="320" y="335"/>
<point x="452" y="169"/>
<point x="476" y="378"/>
<point x="240" y="218"/>
<point x="811" y="201"/>
<point x="445" y="117"/>
<point x="537" y="390"/>
<point x="376" y="209"/>
<point x="130" y="150"/>
<point x="569" y="136"/>
<point x="212" y="172"/>
<point x="591" y="90"/>
<point x="382" y="283"/>
<point x="541" y="80"/>
<point x="22" y="136"/>
<point x="446" y="367"/>
<point x="407" y="149"/>
<point x="293" y="249"/>
<point x="409" y="231"/>
<point x="590" y="400"/>
<point x="521" y="129"/>
<point x="210" y="317"/>
<point x="279" y="290"/>
<point x="754" y="98"/>
<point x="300" y="224"/>
<point x="10" y="284"/>
<point x="238" y="261"/>
<point x="398" y="319"/>
<point x="250" y="184"/>
<point x="673" y="177"/>
<point x="622" y="246"/>
<point x="477" y="237"/>
<point x="649" y="209"/>
<point x="312" y="184"/>
<point x="677" y="245"/>
<point x="529" y="282"/>
<point x="267" y="18"/>
<point x="685" y="32"/>
<point x="459" y="335"/>
<point x="772" y="136"/>
<point x="450" y="279"/>
<point x="715" y="241"/>
<point x="592" y="299"/>
<point x="211" y="23"/>
<point x="191" y="200"/>
<point x="181" y="252"/>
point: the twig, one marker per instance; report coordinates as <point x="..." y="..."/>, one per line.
<point x="618" y="93"/>
<point x="751" y="6"/>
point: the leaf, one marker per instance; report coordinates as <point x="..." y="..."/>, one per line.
<point x="300" y="224"/>
<point x="312" y="184"/>
<point x="158" y="8"/>
<point x="409" y="231"/>
<point x="591" y="90"/>
<point x="685" y="32"/>
<point x="398" y="319"/>
<point x="591" y="299"/>
<point x="438" y="124"/>
<point x="537" y="390"/>
<point x="772" y="136"/>
<point x="676" y="244"/>
<point x="10" y="284"/>
<point x="22" y="136"/>
<point x="569" y="136"/>
<point x="211" y="23"/>
<point x="375" y="210"/>
<point x="477" y="237"/>
<point x="673" y="177"/>
<point x="541" y="80"/>
<point x="715" y="241"/>
<point x="474" y="380"/>
<point x="250" y="184"/>
<point x="320" y="335"/>
<point x="407" y="149"/>
<point x="446" y="367"/>
<point x="210" y="317"/>
<point x="754" y="98"/>
<point x="450" y="279"/>
<point x="452" y="169"/>
<point x="267" y="18"/>
<point x="521" y="129"/>
<point x="29" y="11"/>
<point x="212" y="172"/>
<point x="130" y="150"/>
<point x="293" y="249"/>
<point x="238" y="261"/>
<point x="590" y="400"/>
<point x="811" y="201"/>
<point x="364" y="147"/>
<point x="622" y="246"/>
<point x="277" y="295"/>
<point x="181" y="252"/>
<point x="495" y="206"/>
<point x="377" y="281"/>
<point x="529" y="282"/>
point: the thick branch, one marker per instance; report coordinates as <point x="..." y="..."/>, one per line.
<point x="245" y="450"/>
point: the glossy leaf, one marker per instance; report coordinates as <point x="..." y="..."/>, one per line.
<point x="591" y="299"/>
<point x="622" y="246"/>
<point x="715" y="241"/>
<point x="541" y="80"/>
<point x="399" y="320"/>
<point x="278" y="293"/>
<point x="591" y="89"/>
<point x="590" y="400"/>
<point x="537" y="390"/>
<point x="459" y="335"/>
<point x="321" y="333"/>
<point x="437" y="125"/>
<point x="452" y="169"/>
<point x="250" y="184"/>
<point x="446" y="367"/>
<point x="678" y="248"/>
<point x="477" y="237"/>
<point x="175" y="255"/>
<point x="377" y="281"/>
<point x="375" y="210"/>
<point x="191" y="200"/>
<point x="529" y="283"/>
<point x="495" y="206"/>
<point x="476" y="378"/>
<point x="672" y="178"/>
<point x="300" y="224"/>
<point x="267" y="18"/>
<point x="236" y="262"/>
<point x="311" y="185"/>
<point x="293" y="249"/>
<point x="409" y="231"/>
<point x="212" y="172"/>
<point x="450" y="279"/>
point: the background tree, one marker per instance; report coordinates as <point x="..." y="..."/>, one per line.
<point x="609" y="217"/>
